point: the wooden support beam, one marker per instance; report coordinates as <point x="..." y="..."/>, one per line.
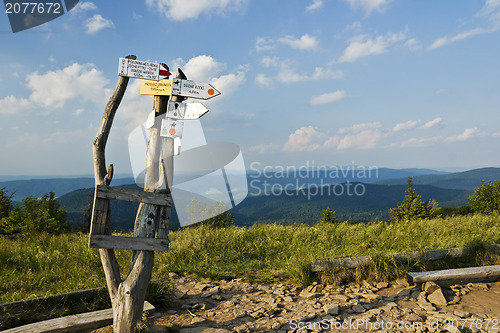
<point x="469" y="273"/>
<point x="130" y="243"/>
<point x="83" y="321"/>
<point x="124" y="194"/>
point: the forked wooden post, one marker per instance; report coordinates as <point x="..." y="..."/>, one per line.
<point x="127" y="296"/>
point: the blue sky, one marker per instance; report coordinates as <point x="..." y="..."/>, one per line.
<point x="387" y="83"/>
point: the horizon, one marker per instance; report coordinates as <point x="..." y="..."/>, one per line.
<point x="379" y="82"/>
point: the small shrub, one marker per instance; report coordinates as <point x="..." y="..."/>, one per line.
<point x="486" y="198"/>
<point x="413" y="208"/>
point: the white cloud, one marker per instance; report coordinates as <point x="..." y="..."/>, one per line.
<point x="314" y="6"/>
<point x="328" y="98"/>
<point x="413" y="45"/>
<point x="13" y="105"/>
<point x="54" y="88"/>
<point x="362" y="46"/>
<point x="96" y="23"/>
<point x="202" y="68"/>
<point x="363" y="140"/>
<point x="304" y="43"/>
<point x="263" y="80"/>
<point x="466" y="135"/>
<point x="270" y="61"/>
<point x="418" y="142"/>
<point x="180" y="10"/>
<point x="264" y="44"/>
<point x="368" y="5"/>
<point x="432" y="123"/>
<point x="229" y="83"/>
<point x="442" y="41"/>
<point x="406" y="125"/>
<point x="360" y="127"/>
<point x="303" y="139"/>
<point x="83" y="6"/>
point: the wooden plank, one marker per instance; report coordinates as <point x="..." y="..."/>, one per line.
<point x="83" y="321"/>
<point x="436" y="254"/>
<point x="118" y="193"/>
<point x="130" y="243"/>
<point x="455" y="274"/>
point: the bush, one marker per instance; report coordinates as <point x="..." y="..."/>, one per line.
<point x="413" y="208"/>
<point x="486" y="198"/>
<point x="328" y="216"/>
<point x="214" y="215"/>
<point x="35" y="216"/>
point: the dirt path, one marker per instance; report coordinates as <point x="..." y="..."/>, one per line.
<point x="236" y="306"/>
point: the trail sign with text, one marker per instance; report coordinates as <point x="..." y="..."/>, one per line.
<point x="142" y="69"/>
<point x="188" y="88"/>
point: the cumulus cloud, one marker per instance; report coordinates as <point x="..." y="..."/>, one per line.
<point x="303" y="139"/>
<point x="328" y="98"/>
<point x="363" y="140"/>
<point x="360" y="127"/>
<point x="466" y="135"/>
<point x="96" y="23"/>
<point x="304" y="43"/>
<point x="180" y="10"/>
<point x="13" y="105"/>
<point x="368" y="5"/>
<point x="202" y="68"/>
<point x="263" y="80"/>
<point x="82" y="7"/>
<point x="362" y="46"/>
<point x="405" y="126"/>
<point x="55" y="88"/>
<point x="229" y="83"/>
<point x="314" y="6"/>
<point x="432" y="123"/>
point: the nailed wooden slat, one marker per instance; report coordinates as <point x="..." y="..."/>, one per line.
<point x="353" y="262"/>
<point x="73" y="323"/>
<point x="455" y="274"/>
<point x="118" y="193"/>
<point x="130" y="243"/>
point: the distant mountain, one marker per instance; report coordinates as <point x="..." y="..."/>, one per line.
<point x="352" y="201"/>
<point x="467" y="180"/>
<point x="306" y="206"/>
<point x="60" y="186"/>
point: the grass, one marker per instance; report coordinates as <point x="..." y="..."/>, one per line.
<point x="45" y="265"/>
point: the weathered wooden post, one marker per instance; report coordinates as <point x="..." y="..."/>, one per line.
<point x="153" y="216"/>
<point x="127" y="296"/>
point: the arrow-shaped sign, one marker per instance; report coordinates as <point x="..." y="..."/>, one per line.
<point x="142" y="69"/>
<point x="188" y="88"/>
<point x="185" y="111"/>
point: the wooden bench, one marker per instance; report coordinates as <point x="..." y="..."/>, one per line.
<point x="481" y="272"/>
<point x="73" y="323"/>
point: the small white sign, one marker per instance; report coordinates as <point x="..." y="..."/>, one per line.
<point x="188" y="88"/>
<point x="176" y="110"/>
<point x="142" y="69"/>
<point x="171" y="128"/>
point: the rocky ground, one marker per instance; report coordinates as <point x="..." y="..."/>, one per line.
<point x="236" y="306"/>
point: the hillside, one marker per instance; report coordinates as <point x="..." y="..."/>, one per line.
<point x="467" y="180"/>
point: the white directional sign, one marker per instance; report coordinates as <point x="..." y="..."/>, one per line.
<point x="185" y="111"/>
<point x="194" y="111"/>
<point x="188" y="88"/>
<point x="142" y="69"/>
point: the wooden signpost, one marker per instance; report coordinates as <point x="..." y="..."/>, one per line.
<point x="153" y="216"/>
